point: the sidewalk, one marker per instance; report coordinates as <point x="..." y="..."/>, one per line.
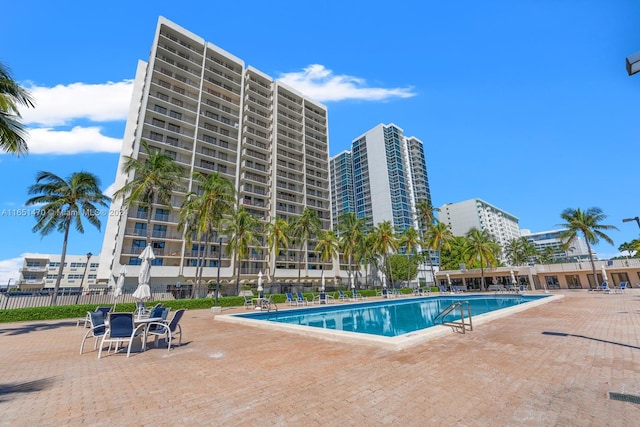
<point x="550" y="365"/>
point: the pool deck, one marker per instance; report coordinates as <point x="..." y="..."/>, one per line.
<point x="550" y="365"/>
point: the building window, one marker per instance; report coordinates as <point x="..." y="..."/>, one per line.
<point x="573" y="281"/>
<point x="162" y="215"/>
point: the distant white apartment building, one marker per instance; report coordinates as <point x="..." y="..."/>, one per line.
<point x="212" y="113"/>
<point x="40" y="271"/>
<point x="476" y="213"/>
<point x="576" y="250"/>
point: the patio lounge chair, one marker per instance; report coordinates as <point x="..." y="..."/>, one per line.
<point x="342" y="296"/>
<point x="248" y="302"/>
<point x="455" y="289"/>
<point x="300" y="299"/>
<point x="620" y="288"/>
<point x="97" y="330"/>
<point x="604" y="288"/>
<point x="356" y="295"/>
<point x="442" y="289"/>
<point x="290" y="299"/>
<point x="104" y="309"/>
<point x="121" y="329"/>
<point x="386" y="293"/>
<point x="167" y="330"/>
<point x="322" y="298"/>
<point x="157" y="311"/>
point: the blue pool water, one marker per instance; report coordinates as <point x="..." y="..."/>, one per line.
<point x="388" y="318"/>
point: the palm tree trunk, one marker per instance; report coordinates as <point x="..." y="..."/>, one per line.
<point x="593" y="265"/>
<point x="63" y="255"/>
<point x="366" y="276"/>
<point x="433" y="271"/>
<point x="238" y="275"/>
<point x="199" y="265"/>
<point x="149" y="207"/>
<point x="386" y="260"/>
<point x="300" y="266"/>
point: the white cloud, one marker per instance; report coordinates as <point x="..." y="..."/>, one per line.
<point x="110" y="190"/>
<point x="321" y="84"/>
<point x="77" y="140"/>
<point x="64" y="105"/>
<point x="60" y="105"/>
<point x="10" y="269"/>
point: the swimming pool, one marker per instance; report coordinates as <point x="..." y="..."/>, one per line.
<point x="396" y="323"/>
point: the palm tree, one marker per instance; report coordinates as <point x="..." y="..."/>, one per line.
<point x="410" y="240"/>
<point x="327" y="245"/>
<point x="242" y="229"/>
<point x="545" y="256"/>
<point x="63" y="203"/>
<point x="587" y="223"/>
<point x="427" y="220"/>
<point x="155" y="177"/>
<point x="277" y="238"/>
<point x="519" y="250"/>
<point x="12" y="131"/>
<point x="483" y="249"/>
<point x="452" y="256"/>
<point x="366" y="255"/>
<point x="424" y="211"/>
<point x="385" y="241"/>
<point x="351" y="232"/>
<point x="203" y="210"/>
<point x="436" y="237"/>
<point x="629" y="247"/>
<point x="303" y="228"/>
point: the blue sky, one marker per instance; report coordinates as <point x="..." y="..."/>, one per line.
<point x="525" y="104"/>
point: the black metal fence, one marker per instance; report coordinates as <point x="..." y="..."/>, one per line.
<point x="78" y="296"/>
<point x="66" y="296"/>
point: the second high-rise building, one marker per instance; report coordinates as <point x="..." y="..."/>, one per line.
<point x="382" y="178"/>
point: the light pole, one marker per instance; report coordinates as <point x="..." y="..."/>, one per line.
<point x="635" y="218"/>
<point x="84" y="275"/>
<point x="9" y="283"/>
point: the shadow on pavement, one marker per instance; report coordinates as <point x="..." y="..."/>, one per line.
<point x="562" y="334"/>
<point x="28" y="387"/>
<point x="25" y="329"/>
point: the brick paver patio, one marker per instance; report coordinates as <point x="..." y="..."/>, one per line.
<point x="552" y="365"/>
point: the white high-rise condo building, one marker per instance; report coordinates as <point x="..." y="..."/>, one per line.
<point x="475" y="213"/>
<point x="210" y="112"/>
<point x="576" y="250"/>
<point x="382" y="178"/>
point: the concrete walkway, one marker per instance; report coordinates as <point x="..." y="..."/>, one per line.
<point x="551" y="365"/>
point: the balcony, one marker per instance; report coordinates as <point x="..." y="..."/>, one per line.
<point x="34" y="269"/>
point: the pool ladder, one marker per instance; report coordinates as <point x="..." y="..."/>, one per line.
<point x="461" y="325"/>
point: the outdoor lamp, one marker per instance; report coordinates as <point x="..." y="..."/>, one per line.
<point x="633" y="63"/>
<point x="635" y="218"/>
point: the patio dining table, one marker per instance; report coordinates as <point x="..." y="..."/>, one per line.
<point x="147" y="321"/>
